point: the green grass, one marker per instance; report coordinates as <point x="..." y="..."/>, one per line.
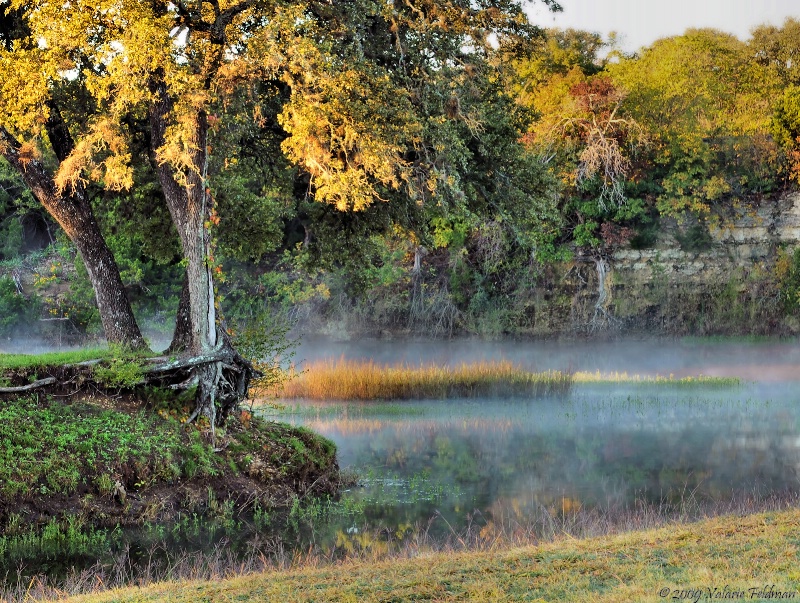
<point x="116" y="367"/>
<point x="728" y="554"/>
<point x="67" y="537"/>
<point x="51" y="450"/>
<point x="34" y="361"/>
<point x="54" y="448"/>
<point x="622" y="378"/>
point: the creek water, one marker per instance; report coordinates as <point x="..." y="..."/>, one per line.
<point x="448" y="465"/>
<point x="446" y="468"/>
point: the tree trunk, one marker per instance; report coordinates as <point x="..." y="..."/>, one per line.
<point x="189" y="206"/>
<point x="74" y="214"/>
<point x="116" y="314"/>
<point x="220" y="385"/>
<point x="182" y="335"/>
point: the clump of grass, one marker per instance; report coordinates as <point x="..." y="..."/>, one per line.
<point x="623" y="378"/>
<point x="367" y="380"/>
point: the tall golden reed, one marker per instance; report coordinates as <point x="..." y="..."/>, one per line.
<point x="366" y="380"/>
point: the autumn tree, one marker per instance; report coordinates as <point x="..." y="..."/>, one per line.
<point x="33" y="108"/>
<point x="366" y="102"/>
<point x="776" y="50"/>
<point x="705" y="106"/>
<point x="582" y="131"/>
<point x="558" y="52"/>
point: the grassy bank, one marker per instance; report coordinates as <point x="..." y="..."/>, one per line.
<point x="368" y="380"/>
<point x="12" y="362"/>
<point x="728" y="554"/>
<point x="108" y="462"/>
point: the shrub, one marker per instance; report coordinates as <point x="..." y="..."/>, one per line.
<point x="696" y="238"/>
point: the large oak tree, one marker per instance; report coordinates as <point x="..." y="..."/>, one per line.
<point x="368" y="91"/>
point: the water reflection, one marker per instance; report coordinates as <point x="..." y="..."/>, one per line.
<point x="595" y="449"/>
<point x="482" y="472"/>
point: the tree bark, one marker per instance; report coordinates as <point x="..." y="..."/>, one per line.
<point x="224" y="383"/>
<point x="182" y="335"/>
<point x="221" y="384"/>
<point x="73" y="212"/>
<point x="189" y="206"/>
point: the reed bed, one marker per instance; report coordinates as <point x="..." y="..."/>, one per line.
<point x="344" y="379"/>
<point x="367" y="380"/>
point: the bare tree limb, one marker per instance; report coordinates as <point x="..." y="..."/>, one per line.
<point x="30" y="387"/>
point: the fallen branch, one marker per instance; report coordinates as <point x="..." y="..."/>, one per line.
<point x="29" y="387"/>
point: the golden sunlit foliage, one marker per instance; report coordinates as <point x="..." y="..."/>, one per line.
<point x="353" y="115"/>
<point x="707" y="109"/>
<point x="694" y="125"/>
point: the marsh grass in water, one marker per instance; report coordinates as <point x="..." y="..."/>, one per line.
<point x="59" y="538"/>
<point x="368" y="380"/>
<point x="623" y="378"/>
<point x="333" y="410"/>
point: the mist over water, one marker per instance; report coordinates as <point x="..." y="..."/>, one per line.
<point x="603" y="447"/>
<point x="600" y="458"/>
<point x="24" y="344"/>
<point x="775" y="360"/>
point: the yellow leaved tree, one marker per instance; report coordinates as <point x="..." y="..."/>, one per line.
<point x="77" y="77"/>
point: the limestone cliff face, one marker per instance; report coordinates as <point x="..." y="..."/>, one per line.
<point x="728" y="286"/>
<point x="740" y="243"/>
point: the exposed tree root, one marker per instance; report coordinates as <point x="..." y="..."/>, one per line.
<point x="221" y="380"/>
<point x="27" y="388"/>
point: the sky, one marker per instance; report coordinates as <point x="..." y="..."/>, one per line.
<point x="641" y="22"/>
